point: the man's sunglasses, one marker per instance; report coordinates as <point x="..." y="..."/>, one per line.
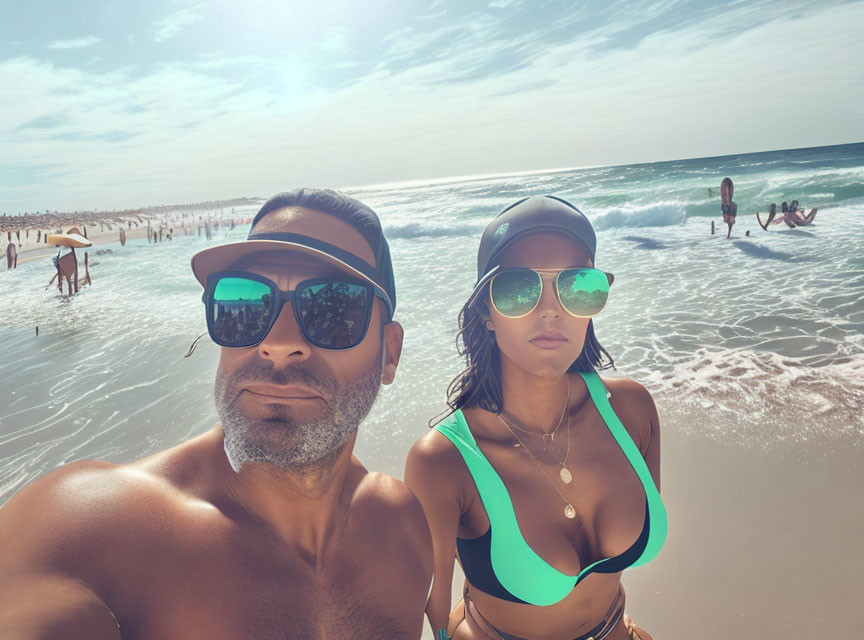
<point x="332" y="313"/>
<point x="581" y="291"/>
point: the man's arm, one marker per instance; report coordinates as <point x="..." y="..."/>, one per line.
<point x="40" y="606"/>
<point x="42" y="596"/>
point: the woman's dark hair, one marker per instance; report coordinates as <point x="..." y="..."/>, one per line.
<point x="784" y="207"/>
<point x="480" y="383"/>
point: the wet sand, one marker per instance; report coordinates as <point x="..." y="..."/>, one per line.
<point x="762" y="543"/>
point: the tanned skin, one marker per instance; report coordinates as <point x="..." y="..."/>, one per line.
<point x="608" y="497"/>
<point x="179" y="546"/>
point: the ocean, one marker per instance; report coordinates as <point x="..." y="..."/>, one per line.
<point x="757" y="341"/>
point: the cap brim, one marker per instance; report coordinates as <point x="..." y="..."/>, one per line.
<point x="482" y="282"/>
<point x="225" y="256"/>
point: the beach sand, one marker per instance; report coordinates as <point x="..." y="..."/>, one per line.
<point x="29" y="249"/>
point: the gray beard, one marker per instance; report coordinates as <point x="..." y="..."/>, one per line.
<point x="283" y="442"/>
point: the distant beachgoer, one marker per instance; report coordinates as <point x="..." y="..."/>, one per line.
<point x="789" y="215"/>
<point x="772" y="212"/>
<point x="727" y="206"/>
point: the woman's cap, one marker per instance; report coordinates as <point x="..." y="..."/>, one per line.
<point x="531" y="215"/>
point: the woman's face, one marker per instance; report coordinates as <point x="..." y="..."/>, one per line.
<point x="523" y="341"/>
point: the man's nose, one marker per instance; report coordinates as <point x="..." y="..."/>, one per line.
<point x="285" y="342"/>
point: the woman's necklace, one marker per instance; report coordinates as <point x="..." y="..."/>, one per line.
<point x="564" y="472"/>
<point x="569" y="511"/>
<point x="548" y="438"/>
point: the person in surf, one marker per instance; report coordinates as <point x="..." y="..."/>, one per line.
<point x="727" y="206"/>
<point x="791" y="215"/>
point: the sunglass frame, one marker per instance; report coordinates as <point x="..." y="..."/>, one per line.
<point x="281" y="297"/>
<point x="609" y="277"/>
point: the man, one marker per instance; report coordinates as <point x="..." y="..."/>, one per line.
<point x="265" y="526"/>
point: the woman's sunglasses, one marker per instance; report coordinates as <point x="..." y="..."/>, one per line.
<point x="332" y="313"/>
<point x="581" y="291"/>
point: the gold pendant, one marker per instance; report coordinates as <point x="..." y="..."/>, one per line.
<point x="569" y="511"/>
<point x="566" y="476"/>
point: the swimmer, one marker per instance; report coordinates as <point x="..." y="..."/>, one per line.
<point x="797" y="213"/>
<point x="266" y="526"/>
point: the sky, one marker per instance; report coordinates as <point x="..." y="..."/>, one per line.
<point x="107" y="104"/>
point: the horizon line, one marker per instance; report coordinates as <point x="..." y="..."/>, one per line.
<point x="416" y="182"/>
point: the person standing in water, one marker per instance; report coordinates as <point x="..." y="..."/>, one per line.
<point x="727" y="206"/>
<point x="544" y="473"/>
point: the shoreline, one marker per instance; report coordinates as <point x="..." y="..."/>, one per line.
<point x="30" y="247"/>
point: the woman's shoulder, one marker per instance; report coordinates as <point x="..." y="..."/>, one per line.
<point x="434" y="464"/>
<point x="434" y="450"/>
<point x="635" y="407"/>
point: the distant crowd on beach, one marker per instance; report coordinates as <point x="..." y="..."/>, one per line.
<point x="791" y="214"/>
<point x="27" y="234"/>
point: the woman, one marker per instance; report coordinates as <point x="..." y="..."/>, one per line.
<point x="540" y="478"/>
<point x="727" y="207"/>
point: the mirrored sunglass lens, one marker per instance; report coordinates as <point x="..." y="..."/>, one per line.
<point x="515" y="293"/>
<point x="335" y="314"/>
<point x="240" y="313"/>
<point x="583" y="292"/>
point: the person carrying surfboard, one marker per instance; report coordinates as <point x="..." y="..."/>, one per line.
<point x="266" y="526"/>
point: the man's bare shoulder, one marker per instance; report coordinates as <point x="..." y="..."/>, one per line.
<point x="86" y="504"/>
<point x="634" y="406"/>
<point x="390" y="498"/>
<point x="397" y="518"/>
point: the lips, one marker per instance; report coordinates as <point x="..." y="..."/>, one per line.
<point x="284" y="393"/>
<point x="548" y="339"/>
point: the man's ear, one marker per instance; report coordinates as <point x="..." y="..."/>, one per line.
<point x="393" y="335"/>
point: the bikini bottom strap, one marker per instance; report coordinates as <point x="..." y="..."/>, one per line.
<point x="607" y="624"/>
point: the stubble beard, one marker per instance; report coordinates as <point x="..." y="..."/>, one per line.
<point x="285" y="442"/>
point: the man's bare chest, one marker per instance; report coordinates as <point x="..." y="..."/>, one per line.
<point x="245" y="590"/>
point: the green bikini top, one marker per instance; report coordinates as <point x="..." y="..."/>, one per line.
<point x="501" y="563"/>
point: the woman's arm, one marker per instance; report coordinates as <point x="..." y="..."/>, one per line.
<point x="651" y="453"/>
<point x="432" y="473"/>
<point x="635" y="408"/>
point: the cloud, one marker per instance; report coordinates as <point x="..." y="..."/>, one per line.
<point x="75" y="43"/>
<point x="335" y="40"/>
<point x="454" y="98"/>
<point x="106" y="136"/>
<point x="175" y="22"/>
<point x="45" y="122"/>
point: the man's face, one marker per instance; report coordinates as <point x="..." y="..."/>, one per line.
<point x="284" y="402"/>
